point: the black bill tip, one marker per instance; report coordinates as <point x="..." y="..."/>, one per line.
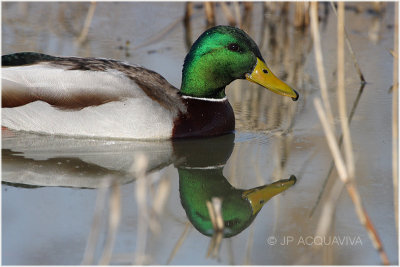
<point x="297" y="96"/>
<point x="293" y="178"/>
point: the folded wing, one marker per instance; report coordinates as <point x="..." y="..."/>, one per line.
<point x="86" y="97"/>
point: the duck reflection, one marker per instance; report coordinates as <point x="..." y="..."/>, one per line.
<point x="201" y="178"/>
<point x="34" y="160"/>
<point x="42" y="160"/>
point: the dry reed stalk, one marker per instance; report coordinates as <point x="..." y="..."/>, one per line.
<point x="301" y="14"/>
<point x="319" y="60"/>
<point x="323" y="85"/>
<point x="187" y="25"/>
<point x="330" y="136"/>
<point x="88" y="258"/>
<point x="215" y="212"/>
<point x="214" y="209"/>
<point x="332" y="165"/>
<point x="329" y="208"/>
<point x="161" y="196"/>
<point x="349" y="46"/>
<point x="236" y="8"/>
<point x="188" y="11"/>
<point x="113" y="224"/>
<point x="395" y="118"/>
<point x="263" y="24"/>
<point x="248" y="6"/>
<point x="85" y="30"/>
<point x="350" y="186"/>
<point x="140" y="167"/>
<point x="215" y="245"/>
<point x="348" y="148"/>
<point x="209" y="8"/>
<point x="228" y="13"/>
<point x="159" y="201"/>
<point x="180" y="241"/>
<point x="345" y="168"/>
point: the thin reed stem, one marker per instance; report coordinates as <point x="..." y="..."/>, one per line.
<point x="209" y="8"/>
<point x="236" y="7"/>
<point x="349" y="183"/>
<point x="85" y="30"/>
<point x="319" y="59"/>
<point x="330" y="136"/>
<point x="214" y="210"/>
<point x="349" y="46"/>
<point x="228" y="13"/>
<point x="342" y="94"/>
<point x="88" y="258"/>
<point x="332" y="165"/>
<point x="231" y="253"/>
<point x="180" y="241"/>
<point x="139" y="167"/>
<point x="160" y="199"/>
<point x="345" y="168"/>
<point x="114" y="219"/>
<point x="329" y="208"/>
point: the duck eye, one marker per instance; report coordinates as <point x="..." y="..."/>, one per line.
<point x="234" y="47"/>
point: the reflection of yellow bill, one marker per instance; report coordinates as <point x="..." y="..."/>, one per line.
<point x="260" y="195"/>
<point x="263" y="76"/>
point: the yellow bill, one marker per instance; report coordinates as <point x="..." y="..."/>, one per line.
<point x="263" y="76"/>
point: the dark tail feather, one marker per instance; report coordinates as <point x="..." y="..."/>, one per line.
<point x="24" y="58"/>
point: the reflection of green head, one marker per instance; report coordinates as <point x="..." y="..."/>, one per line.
<point x="200" y="164"/>
<point x="198" y="186"/>
<point x="239" y="207"/>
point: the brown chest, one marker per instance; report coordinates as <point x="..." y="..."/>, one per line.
<point x="204" y="118"/>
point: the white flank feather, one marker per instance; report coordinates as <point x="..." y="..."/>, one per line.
<point x="135" y="117"/>
<point x="140" y="118"/>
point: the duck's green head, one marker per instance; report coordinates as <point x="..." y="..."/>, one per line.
<point x="221" y="55"/>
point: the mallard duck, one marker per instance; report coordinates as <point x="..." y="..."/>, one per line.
<point x="95" y="97"/>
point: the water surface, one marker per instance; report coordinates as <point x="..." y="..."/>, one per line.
<point x="50" y="184"/>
